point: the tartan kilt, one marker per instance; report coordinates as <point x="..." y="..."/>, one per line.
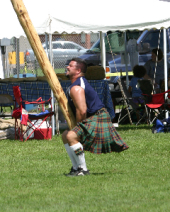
<point x="98" y="135"/>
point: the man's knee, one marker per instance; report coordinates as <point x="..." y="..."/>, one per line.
<point x="71" y="137"/>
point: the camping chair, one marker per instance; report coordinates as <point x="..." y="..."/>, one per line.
<point x="157" y="107"/>
<point x="131" y="106"/>
<point x="32" y="121"/>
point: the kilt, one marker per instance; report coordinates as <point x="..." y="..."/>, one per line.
<point x="98" y="135"/>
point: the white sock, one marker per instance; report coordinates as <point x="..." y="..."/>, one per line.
<point x="70" y="154"/>
<point x="79" y="156"/>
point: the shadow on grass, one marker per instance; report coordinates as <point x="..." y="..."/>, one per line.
<point x="133" y="127"/>
<point x="107" y="172"/>
<point x="98" y="173"/>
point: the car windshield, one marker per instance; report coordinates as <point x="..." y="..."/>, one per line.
<point x="54" y="46"/>
<point x="114" y="41"/>
<point x="153" y="39"/>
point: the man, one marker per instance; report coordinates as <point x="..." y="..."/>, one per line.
<point x="94" y="131"/>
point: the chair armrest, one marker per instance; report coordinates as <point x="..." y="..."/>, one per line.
<point x="38" y="101"/>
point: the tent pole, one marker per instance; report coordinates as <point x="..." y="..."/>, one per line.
<point x="46" y="44"/>
<point x="51" y="61"/>
<point x="126" y="61"/>
<point x="103" y="50"/>
<point x="7" y="65"/>
<point x="165" y="65"/>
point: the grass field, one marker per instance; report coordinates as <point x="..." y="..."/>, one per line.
<point x="136" y="180"/>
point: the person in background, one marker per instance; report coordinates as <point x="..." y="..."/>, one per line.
<point x="158" y="62"/>
<point x="138" y="74"/>
<point x="94" y="131"/>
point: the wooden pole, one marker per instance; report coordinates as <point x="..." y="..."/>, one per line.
<point x="43" y="60"/>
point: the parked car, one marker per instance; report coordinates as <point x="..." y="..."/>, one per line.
<point x="61" y="50"/>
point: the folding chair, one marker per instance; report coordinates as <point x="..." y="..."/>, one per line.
<point x="131" y="106"/>
<point x="32" y="121"/>
<point x="157" y="107"/>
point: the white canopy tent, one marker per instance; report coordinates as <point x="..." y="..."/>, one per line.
<point x="91" y="16"/>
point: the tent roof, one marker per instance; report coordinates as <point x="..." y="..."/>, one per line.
<point x="91" y="16"/>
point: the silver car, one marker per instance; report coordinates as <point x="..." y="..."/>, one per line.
<point x="61" y="52"/>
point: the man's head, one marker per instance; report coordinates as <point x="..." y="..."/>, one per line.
<point x="139" y="71"/>
<point x="76" y="68"/>
<point x="81" y="64"/>
<point x="157" y="53"/>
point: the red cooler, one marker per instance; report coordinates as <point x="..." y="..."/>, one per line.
<point x="44" y="132"/>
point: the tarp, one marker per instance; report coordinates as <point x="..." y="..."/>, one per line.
<point x="88" y="16"/>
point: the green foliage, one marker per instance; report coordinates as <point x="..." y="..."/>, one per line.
<point x="136" y="180"/>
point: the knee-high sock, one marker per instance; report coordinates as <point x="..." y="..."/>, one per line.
<point x="70" y="154"/>
<point x="79" y="156"/>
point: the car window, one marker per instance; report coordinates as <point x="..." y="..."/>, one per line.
<point x="115" y="42"/>
<point x="153" y="39"/>
<point x="57" y="46"/>
<point x="70" y="46"/>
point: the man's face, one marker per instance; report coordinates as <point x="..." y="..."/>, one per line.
<point x="153" y="57"/>
<point x="72" y="69"/>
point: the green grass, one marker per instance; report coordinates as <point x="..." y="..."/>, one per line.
<point x="136" y="180"/>
<point x="40" y="72"/>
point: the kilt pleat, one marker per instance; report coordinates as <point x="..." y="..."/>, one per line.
<point x="98" y="135"/>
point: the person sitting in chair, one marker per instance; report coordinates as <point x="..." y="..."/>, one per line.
<point x="138" y="74"/>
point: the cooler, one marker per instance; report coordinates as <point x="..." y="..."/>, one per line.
<point x="43" y="132"/>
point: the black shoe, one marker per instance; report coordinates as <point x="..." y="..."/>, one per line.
<point x="78" y="172"/>
<point x="81" y="172"/>
<point x="72" y="172"/>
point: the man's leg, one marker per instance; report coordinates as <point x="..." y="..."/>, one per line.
<point x="69" y="151"/>
<point x="75" y="151"/>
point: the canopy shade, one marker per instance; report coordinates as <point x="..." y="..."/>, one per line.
<point x="91" y="16"/>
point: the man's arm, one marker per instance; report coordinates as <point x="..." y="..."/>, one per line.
<point x="78" y="96"/>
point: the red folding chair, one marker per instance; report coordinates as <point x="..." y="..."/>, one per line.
<point x="157" y="106"/>
<point x="31" y="120"/>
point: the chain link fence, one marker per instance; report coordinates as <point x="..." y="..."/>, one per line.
<point x="19" y="58"/>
